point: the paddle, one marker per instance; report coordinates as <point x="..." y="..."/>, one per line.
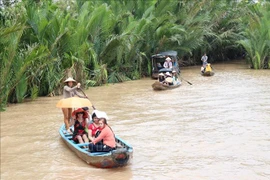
<point x="87" y="98"/>
<point x="186" y="81"/>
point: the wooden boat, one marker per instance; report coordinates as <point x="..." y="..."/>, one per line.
<point x="208" y="73"/>
<point x="159" y="86"/>
<point x="119" y="157"/>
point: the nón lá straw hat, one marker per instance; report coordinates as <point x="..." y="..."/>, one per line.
<point x="168" y="59"/>
<point x="161" y="74"/>
<point x="70" y="79"/>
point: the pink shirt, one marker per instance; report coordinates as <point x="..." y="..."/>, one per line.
<point x="107" y="136"/>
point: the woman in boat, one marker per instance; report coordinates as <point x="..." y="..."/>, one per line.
<point x="69" y="91"/>
<point x="80" y="135"/>
<point x="94" y="127"/>
<point x="168" y="63"/>
<point x="105" y="141"/>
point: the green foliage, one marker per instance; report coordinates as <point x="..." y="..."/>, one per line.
<point x="108" y="41"/>
<point x="34" y="92"/>
<point x="21" y="89"/>
<point x="116" y="77"/>
<point x="257" y="36"/>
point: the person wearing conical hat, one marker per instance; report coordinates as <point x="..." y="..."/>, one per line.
<point x="161" y="77"/>
<point x="168" y="63"/>
<point x="168" y="78"/>
<point x="69" y="91"/>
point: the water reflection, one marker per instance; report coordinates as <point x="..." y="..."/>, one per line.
<point x="217" y="128"/>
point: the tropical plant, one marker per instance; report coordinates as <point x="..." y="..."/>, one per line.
<point x="257" y="36"/>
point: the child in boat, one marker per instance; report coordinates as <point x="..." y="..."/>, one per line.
<point x="79" y="134"/>
<point x="93" y="128"/>
<point x="105" y="141"/>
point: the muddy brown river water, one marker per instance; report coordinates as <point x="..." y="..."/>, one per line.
<point x="217" y="128"/>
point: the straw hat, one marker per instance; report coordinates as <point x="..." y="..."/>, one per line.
<point x="168" y="74"/>
<point x="168" y="59"/>
<point x="70" y="79"/>
<point x="169" y="79"/>
<point x="161" y="74"/>
<point x="80" y="110"/>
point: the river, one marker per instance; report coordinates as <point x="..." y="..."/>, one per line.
<point x="216" y="128"/>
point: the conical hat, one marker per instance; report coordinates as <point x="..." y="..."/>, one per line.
<point x="168" y="74"/>
<point x="161" y="74"/>
<point x="169" y="79"/>
<point x="70" y="79"/>
<point x="168" y="59"/>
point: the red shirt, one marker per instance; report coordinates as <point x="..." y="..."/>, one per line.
<point x="93" y="128"/>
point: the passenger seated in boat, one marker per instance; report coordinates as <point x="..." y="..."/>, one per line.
<point x="202" y="69"/>
<point x="105" y="141"/>
<point x="161" y="78"/>
<point x="88" y="119"/>
<point x="93" y="128"/>
<point x="208" y="67"/>
<point x="79" y="134"/>
<point x="159" y="66"/>
<point x="174" y="63"/>
<point x="174" y="77"/>
<point x="168" y="63"/>
<point x="168" y="79"/>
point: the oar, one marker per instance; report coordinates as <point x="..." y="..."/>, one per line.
<point x="87" y="98"/>
<point x="186" y="81"/>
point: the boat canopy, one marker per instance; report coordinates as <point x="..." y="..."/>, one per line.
<point x="164" y="70"/>
<point x="164" y="54"/>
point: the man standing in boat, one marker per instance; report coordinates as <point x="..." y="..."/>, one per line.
<point x="204" y="60"/>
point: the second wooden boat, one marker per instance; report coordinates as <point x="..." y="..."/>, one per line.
<point x="159" y="86"/>
<point x="208" y="73"/>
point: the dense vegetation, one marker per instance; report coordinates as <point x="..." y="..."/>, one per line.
<point x="107" y="41"/>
